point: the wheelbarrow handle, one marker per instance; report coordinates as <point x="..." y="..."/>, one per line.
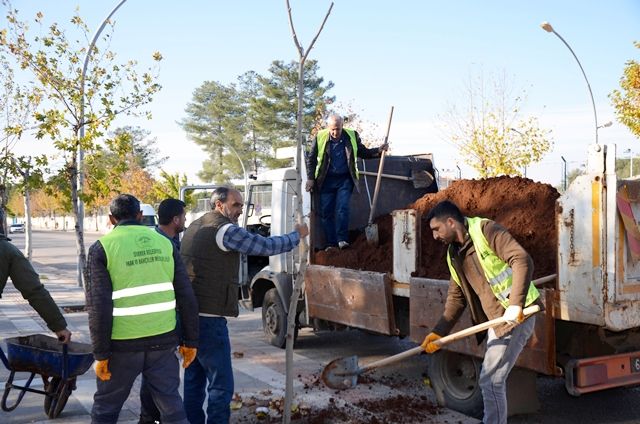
<point x="65" y="361"/>
<point x="444" y="340"/>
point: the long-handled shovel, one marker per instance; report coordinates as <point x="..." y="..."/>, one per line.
<point x="371" y="230"/>
<point x="342" y="373"/>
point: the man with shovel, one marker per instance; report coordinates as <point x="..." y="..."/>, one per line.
<point x="491" y="273"/>
<point x="332" y="170"/>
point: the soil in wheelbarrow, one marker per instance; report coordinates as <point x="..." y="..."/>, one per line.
<point x="526" y="208"/>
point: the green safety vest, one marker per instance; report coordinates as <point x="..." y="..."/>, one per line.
<point x="323" y="137"/>
<point x="497" y="272"/>
<point x="141" y="267"/>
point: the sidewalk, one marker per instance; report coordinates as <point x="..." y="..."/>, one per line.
<point x="258" y="371"/>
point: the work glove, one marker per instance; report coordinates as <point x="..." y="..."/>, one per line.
<point x="309" y="185"/>
<point x="428" y="344"/>
<point x="188" y="355"/>
<point x="383" y="148"/>
<point x="513" y="315"/>
<point x="102" y="370"/>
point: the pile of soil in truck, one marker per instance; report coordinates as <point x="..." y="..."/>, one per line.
<point x="526" y="208"/>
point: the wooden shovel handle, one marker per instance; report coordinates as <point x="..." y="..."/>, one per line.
<point x="481" y="327"/>
<point x="444" y="340"/>
<point x="380" y="168"/>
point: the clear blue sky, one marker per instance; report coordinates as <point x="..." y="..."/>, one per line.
<point x="415" y="55"/>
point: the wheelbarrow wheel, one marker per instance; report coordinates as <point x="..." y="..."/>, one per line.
<point x="58" y="393"/>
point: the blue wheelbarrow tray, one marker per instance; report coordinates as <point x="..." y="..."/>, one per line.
<point x="43" y="355"/>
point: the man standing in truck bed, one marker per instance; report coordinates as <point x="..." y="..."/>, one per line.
<point x="491" y="273"/>
<point x="332" y="170"/>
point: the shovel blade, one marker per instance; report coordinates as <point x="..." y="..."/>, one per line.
<point x="371" y="231"/>
<point x="421" y="179"/>
<point x="341" y="373"/>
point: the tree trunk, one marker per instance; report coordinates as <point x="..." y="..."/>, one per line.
<point x="304" y="247"/>
<point x="82" y="256"/>
<point x="28" y="244"/>
<point x="3" y="207"/>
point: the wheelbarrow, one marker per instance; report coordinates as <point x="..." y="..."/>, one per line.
<point x="58" y="365"/>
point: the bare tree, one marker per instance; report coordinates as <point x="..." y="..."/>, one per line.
<point x="304" y="247"/>
<point x="489" y="130"/>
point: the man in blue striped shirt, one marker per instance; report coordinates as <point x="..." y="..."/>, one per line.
<point x="211" y="249"/>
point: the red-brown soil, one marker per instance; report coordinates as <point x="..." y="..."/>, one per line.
<point x="524" y="207"/>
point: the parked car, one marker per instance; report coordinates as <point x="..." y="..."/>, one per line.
<point x="16" y="228"/>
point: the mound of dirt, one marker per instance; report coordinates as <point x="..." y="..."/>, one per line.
<point x="526" y="208"/>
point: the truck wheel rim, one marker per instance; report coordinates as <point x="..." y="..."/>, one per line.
<point x="460" y="375"/>
<point x="271" y="318"/>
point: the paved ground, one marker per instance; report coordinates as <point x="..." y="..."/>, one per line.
<point x="258" y="368"/>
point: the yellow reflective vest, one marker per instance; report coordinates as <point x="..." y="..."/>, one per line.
<point x="323" y="137"/>
<point x="140" y="264"/>
<point x="497" y="272"/>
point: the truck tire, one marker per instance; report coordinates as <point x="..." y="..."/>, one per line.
<point x="455" y="380"/>
<point x="274" y="319"/>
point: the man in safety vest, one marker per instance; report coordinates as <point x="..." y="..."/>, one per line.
<point x="491" y="273"/>
<point x="135" y="281"/>
<point x="332" y="170"/>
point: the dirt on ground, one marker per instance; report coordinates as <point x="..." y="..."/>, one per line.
<point x="267" y="407"/>
<point x="526" y="208"/>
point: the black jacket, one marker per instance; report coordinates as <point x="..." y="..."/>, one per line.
<point x="312" y="158"/>
<point x="100" y="307"/>
<point x="14" y="265"/>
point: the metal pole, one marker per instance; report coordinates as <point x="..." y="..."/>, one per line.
<point x="547" y="27"/>
<point x="564" y="173"/>
<point x="81" y="130"/>
<point x="459" y="172"/>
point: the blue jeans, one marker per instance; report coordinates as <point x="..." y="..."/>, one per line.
<point x="335" y="195"/>
<point x="210" y="373"/>
<point x="502" y="353"/>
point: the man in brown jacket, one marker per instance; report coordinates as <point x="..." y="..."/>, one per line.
<point x="491" y="273"/>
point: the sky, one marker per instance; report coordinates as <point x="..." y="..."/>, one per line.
<point x="413" y="55"/>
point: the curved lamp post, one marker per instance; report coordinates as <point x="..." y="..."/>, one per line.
<point x="81" y="131"/>
<point x="522" y="137"/>
<point x="547" y="27"/>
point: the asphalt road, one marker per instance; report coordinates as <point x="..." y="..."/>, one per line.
<point x="57" y="249"/>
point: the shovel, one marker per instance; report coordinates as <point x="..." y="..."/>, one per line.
<point x="420" y="179"/>
<point x="342" y="373"/>
<point x="371" y="230"/>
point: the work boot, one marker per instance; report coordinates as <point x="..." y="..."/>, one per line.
<point x="343" y="244"/>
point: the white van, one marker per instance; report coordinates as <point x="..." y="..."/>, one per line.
<point x="148" y="215"/>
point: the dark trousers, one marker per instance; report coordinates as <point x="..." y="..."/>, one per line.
<point x="335" y="195"/>
<point x="210" y="374"/>
<point x="149" y="413"/>
<point x="162" y="375"/>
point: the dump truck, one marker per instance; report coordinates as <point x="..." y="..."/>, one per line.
<point x="589" y="333"/>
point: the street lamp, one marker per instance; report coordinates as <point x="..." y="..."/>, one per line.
<point x="524" y="167"/>
<point x="547" y="27"/>
<point x="81" y="131"/>
<point x="564" y="173"/>
<point x="630" y="162"/>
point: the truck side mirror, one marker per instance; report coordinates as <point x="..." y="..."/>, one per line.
<point x="250" y="209"/>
